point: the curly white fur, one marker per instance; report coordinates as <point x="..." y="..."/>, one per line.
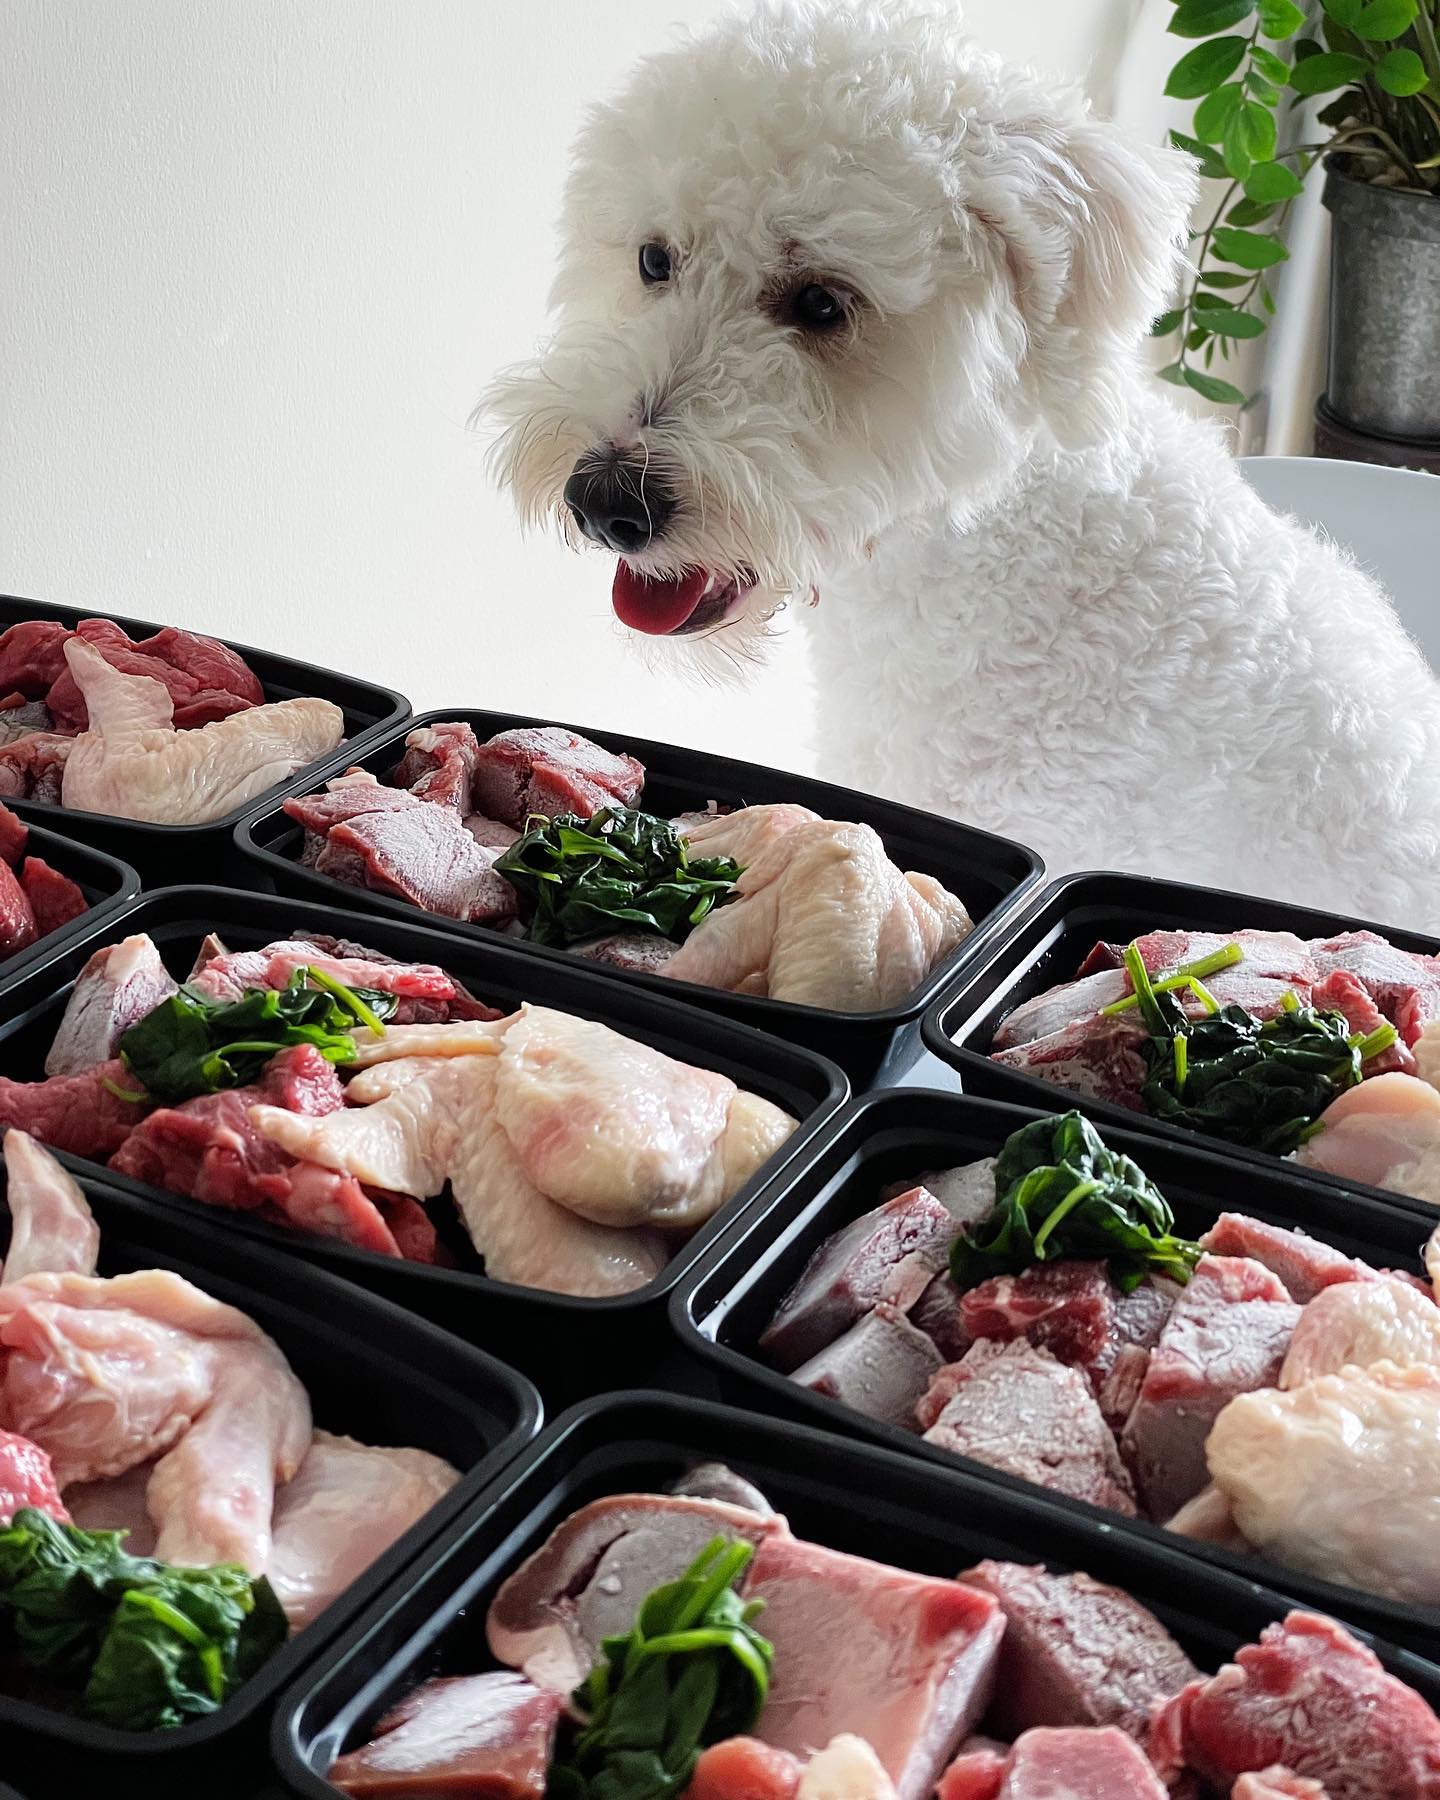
<point x="1048" y="602"/>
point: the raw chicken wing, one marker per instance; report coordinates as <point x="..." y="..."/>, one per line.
<point x="1359" y="1323"/>
<point x="824" y="918"/>
<point x="1340" y="1477"/>
<point x="742" y="836"/>
<point x="51" y="1225"/>
<point x="132" y="761"/>
<point x="1386" y="1132"/>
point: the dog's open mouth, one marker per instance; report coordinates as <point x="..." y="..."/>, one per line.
<point x="695" y="601"/>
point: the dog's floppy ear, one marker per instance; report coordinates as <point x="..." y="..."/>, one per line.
<point x="1092" y="225"/>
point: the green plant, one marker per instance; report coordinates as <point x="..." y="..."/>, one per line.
<point x="1381" y="58"/>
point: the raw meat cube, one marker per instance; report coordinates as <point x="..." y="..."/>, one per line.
<point x="1045" y="1014"/>
<point x="1076" y="1652"/>
<point x="461" y="1734"/>
<point x="318" y="812"/>
<point x="1227" y="1335"/>
<point x="79" y="1113"/>
<point x="881" y="1367"/>
<point x="14" y="834"/>
<point x="54" y="898"/>
<point x="32" y="656"/>
<point x="547" y="770"/>
<point x="1118" y="1372"/>
<point x="118" y="986"/>
<point x="1099" y="1059"/>
<point x="491" y="834"/>
<point x="1016" y="1408"/>
<point x="938" y="1314"/>
<point x="1067" y="1308"/>
<point x="967" y="1193"/>
<point x="918" y="1664"/>
<point x="1304" y="1265"/>
<point x="644" y="952"/>
<point x="1342" y="992"/>
<point x="974" y="1775"/>
<point x="18" y="929"/>
<point x="888" y="1254"/>
<point x="1311" y="1698"/>
<point x="1076" y="1763"/>
<point x="425" y="855"/>
<point x="439" y="765"/>
<point x="26" y="1479"/>
<point x="742" y="1768"/>
<point x="1404" y="985"/>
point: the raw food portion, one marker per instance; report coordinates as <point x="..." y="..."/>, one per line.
<point x="458" y="1735"/>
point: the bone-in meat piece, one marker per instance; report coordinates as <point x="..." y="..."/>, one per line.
<point x="133" y="762"/>
<point x="1359" y="1323"/>
<point x="51" y="1225"/>
<point x="115" y="990"/>
<point x="548" y="770"/>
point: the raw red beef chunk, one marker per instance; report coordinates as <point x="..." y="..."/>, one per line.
<point x="938" y="1314"/>
<point x="426" y="994"/>
<point x="1016" y="1408"/>
<point x="1403" y="984"/>
<point x="439" y="765"/>
<point x="548" y="770"/>
<point x="54" y="898"/>
<point x="26" y="1479"/>
<point x="1227" y="1335"/>
<point x="32" y="768"/>
<point x="1276" y="955"/>
<point x="425" y="855"/>
<point x="18" y="929"/>
<point x="888" y="1254"/>
<point x="1067" y="1308"/>
<point x="1344" y="993"/>
<point x="1076" y="1652"/>
<point x="743" y="1768"/>
<point x="210" y="1149"/>
<point x="1119" y="1371"/>
<point x="1312" y="1699"/>
<point x="967" y="1193"/>
<point x="881" y="1367"/>
<point x="205" y="681"/>
<point x="1302" y="1264"/>
<point x="14" y="835"/>
<point x="32" y="656"/>
<point x="458" y="1735"/>
<point x="1079" y="1764"/>
<point x="917" y="1668"/>
<point x="118" y="986"/>
<point x="79" y="1113"/>
<point x="318" y="812"/>
<point x="974" y="1775"/>
<point x="1099" y="1059"/>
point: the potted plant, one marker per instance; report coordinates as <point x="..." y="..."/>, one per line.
<point x="1379" y="141"/>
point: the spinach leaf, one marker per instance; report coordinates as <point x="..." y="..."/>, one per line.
<point x="1261" y="1083"/>
<point x="190" y="1045"/>
<point x="622" y="870"/>
<point x="690" y="1671"/>
<point x="1061" y="1192"/>
<point x="146" y="1645"/>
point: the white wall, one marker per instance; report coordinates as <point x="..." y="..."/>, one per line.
<point x="258" y="258"/>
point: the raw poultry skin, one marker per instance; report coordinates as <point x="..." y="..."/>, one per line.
<point x="1359" y="1323"/>
<point x="565" y="1144"/>
<point x="132" y="761"/>
<point x="1341" y="1477"/>
<point x="51" y="1224"/>
<point x="823" y="918"/>
<point x="1385" y="1132"/>
<point x="104" y="1374"/>
<point x="346" y="1505"/>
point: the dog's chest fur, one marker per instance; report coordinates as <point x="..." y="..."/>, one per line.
<point x="1128" y="627"/>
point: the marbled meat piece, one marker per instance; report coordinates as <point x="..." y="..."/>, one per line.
<point x="1404" y="984"/>
<point x="439" y="765"/>
<point x="33" y="767"/>
<point x="1079" y="1763"/>
<point x="346" y="800"/>
<point x="1119" y="1372"/>
<point x="1065" y="1307"/>
<point x="1304" y="1265"/>
<point x="26" y="1479"/>
<point x="1017" y="1409"/>
<point x="426" y="856"/>
<point x="1096" y="1058"/>
<point x="641" y="952"/>
<point x="118" y="986"/>
<point x="967" y="1192"/>
<point x="1313" y="1699"/>
<point x="490" y="1734"/>
<point x="881" y="1367"/>
<point x="938" y="1314"/>
<point x="1227" y="1335"/>
<point x="1076" y="1652"/>
<point x="547" y="770"/>
<point x="84" y="1113"/>
<point x="888" y="1254"/>
<point x="918" y="1667"/>
<point x="1342" y="992"/>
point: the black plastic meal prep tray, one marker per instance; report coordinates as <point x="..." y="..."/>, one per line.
<point x="990" y="874"/>
<point x="373" y="1373"/>
<point x="572" y="1346"/>
<point x="165" y="853"/>
<point x="107" y="883"/>
<point x="1046" y="945"/>
<point x="734" y="1291"/>
<point x="848" y="1496"/>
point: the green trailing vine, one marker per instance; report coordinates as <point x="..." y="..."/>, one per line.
<point x="1380" y="58"/>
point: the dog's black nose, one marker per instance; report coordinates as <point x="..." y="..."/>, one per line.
<point x="618" y="503"/>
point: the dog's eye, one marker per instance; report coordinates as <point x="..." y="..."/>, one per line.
<point x="654" y="264"/>
<point x="817" y="308"/>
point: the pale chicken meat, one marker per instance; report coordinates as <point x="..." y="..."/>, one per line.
<point x="107" y="1374"/>
<point x="132" y="761"/>
<point x="822" y="917"/>
<point x="568" y="1147"/>
<point x="1385" y="1132"/>
<point x="1341" y="1477"/>
<point x="51" y="1225"/>
<point x="745" y="835"/>
<point x="1356" y="1323"/>
<point x="345" y="1507"/>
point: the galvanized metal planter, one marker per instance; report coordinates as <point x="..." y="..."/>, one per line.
<point x="1384" y="373"/>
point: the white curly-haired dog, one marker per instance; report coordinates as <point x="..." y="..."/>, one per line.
<point x="849" y="311"/>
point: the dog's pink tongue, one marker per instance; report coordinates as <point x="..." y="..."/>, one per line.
<point x="655" y="606"/>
